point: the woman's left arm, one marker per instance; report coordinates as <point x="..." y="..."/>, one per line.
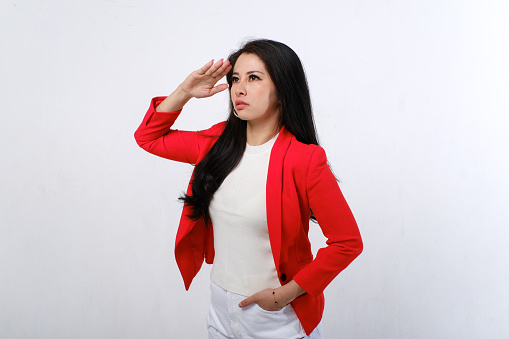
<point x="338" y="225"/>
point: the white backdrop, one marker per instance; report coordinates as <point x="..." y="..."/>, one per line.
<point x="411" y="104"/>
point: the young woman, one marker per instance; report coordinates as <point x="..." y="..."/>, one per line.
<point x="259" y="178"/>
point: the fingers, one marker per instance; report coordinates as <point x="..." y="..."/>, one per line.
<point x="248" y="301"/>
<point x="218" y="88"/>
<point x="213" y="68"/>
<point x="216" y="70"/>
<point x="206" y="67"/>
<point x="223" y="70"/>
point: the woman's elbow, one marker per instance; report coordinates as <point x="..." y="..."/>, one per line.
<point x="139" y="140"/>
<point x="359" y="247"/>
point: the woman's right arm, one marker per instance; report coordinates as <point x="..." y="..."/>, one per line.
<point x="155" y="134"/>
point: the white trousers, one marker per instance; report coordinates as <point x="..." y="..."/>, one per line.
<point x="227" y="320"/>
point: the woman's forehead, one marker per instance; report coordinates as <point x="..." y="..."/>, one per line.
<point x="249" y="62"/>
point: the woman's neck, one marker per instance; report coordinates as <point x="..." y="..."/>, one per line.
<point x="258" y="135"/>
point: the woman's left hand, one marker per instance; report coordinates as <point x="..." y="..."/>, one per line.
<point x="266" y="300"/>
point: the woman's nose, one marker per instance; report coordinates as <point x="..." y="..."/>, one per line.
<point x="240" y="89"/>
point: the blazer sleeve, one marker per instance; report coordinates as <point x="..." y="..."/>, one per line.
<point x="338" y="225"/>
<point x="156" y="136"/>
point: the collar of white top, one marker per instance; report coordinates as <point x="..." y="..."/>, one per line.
<point x="261" y="149"/>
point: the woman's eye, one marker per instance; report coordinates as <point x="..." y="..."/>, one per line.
<point x="235" y="79"/>
<point x="253" y="77"/>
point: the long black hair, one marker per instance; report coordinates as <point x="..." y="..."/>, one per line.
<point x="295" y="113"/>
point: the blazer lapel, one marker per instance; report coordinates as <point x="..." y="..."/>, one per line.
<point x="274" y="191"/>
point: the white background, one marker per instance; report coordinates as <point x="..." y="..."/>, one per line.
<point x="411" y="105"/>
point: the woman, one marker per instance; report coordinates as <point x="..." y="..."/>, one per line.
<point x="259" y="178"/>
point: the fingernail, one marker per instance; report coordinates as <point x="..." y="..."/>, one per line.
<point x="240" y="305"/>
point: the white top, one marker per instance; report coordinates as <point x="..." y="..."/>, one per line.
<point x="243" y="261"/>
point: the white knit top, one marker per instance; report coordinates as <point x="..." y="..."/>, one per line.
<point x="243" y="261"/>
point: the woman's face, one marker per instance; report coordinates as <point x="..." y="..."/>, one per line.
<point x="253" y="93"/>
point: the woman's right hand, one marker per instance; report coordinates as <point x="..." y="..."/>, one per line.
<point x="199" y="84"/>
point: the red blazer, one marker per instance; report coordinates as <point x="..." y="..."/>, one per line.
<point x="298" y="179"/>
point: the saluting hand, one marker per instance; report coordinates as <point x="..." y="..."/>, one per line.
<point x="201" y="83"/>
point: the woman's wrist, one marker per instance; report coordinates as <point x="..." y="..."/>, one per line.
<point x="182" y="95"/>
<point x="175" y="101"/>
<point x="287" y="293"/>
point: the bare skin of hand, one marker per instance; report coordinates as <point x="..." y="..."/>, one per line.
<point x="199" y="84"/>
<point x="265" y="299"/>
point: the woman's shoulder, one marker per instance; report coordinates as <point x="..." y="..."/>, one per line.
<point x="303" y="148"/>
<point x="302" y="156"/>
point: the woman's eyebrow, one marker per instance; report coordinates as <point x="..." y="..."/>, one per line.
<point x="250" y="72"/>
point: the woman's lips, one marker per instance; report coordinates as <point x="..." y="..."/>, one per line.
<point x="239" y="104"/>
